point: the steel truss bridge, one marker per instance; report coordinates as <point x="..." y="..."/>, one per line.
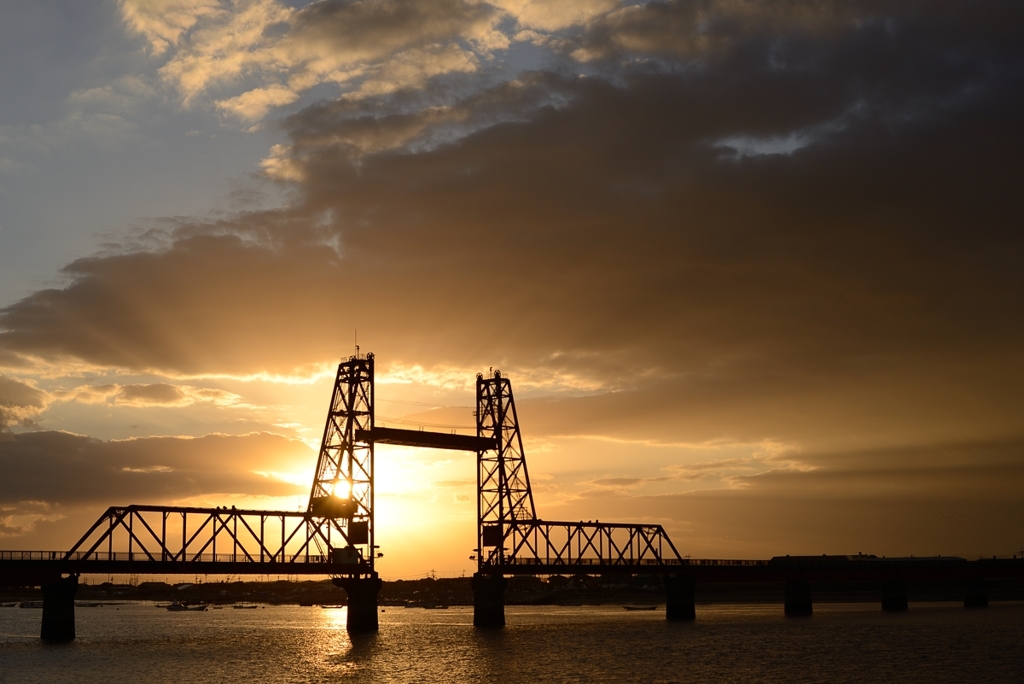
<point x="336" y="534"/>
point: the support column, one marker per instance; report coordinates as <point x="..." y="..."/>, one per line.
<point x="362" y="601"/>
<point x="894" y="595"/>
<point x="798" y="598"/>
<point x="975" y="593"/>
<point x="679" y="604"/>
<point x="488" y="600"/>
<point x="59" y="610"/>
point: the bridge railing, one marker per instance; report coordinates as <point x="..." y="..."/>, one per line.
<point x="678" y="562"/>
<point x="32" y="555"/>
<point x="724" y="563"/>
<point x="136" y="556"/>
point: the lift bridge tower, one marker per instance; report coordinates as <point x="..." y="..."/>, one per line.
<point x="512" y="540"/>
<point x="342" y="492"/>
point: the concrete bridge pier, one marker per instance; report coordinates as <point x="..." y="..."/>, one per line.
<point x="798" y="598"/>
<point x="362" y="601"/>
<point x="975" y="593"/>
<point x="59" y="610"/>
<point x="488" y="600"/>
<point x="894" y="595"/>
<point x="679" y="603"/>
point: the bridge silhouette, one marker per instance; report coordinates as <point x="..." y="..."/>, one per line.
<point x="336" y="534"/>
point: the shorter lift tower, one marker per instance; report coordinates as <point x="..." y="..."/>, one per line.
<point x="511" y="540"/>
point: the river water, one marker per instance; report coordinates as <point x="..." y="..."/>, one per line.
<point x="727" y="643"/>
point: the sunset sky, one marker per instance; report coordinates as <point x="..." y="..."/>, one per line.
<point x="755" y="269"/>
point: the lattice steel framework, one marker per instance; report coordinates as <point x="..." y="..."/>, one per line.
<point x="503" y="483"/>
<point x="511" y="539"/>
<point x="173" y="535"/>
<point x="342" y="494"/>
<point x="336" y="532"/>
<point x="586" y="546"/>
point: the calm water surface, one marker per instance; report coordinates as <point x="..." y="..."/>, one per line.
<point x="840" y="643"/>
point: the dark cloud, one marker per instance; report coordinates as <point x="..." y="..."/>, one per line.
<point x="416" y="120"/>
<point x="159" y="393"/>
<point x="58" y="468"/>
<point x="19" y="402"/>
<point x="367" y="29"/>
<point x="631" y="228"/>
<point x="709" y="30"/>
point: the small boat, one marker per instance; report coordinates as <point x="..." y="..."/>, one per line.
<point x="332" y="605"/>
<point x="245" y="606"/>
<point x="179" y="606"/>
<point x="9" y="605"/>
<point x="84" y="604"/>
<point x="640" y="607"/>
<point x="30" y="604"/>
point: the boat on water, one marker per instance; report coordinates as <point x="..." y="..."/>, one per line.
<point x="180" y="606"/>
<point x="245" y="606"/>
<point x="332" y="605"/>
<point x="30" y="604"/>
<point x="9" y="605"/>
<point x="640" y="607"/>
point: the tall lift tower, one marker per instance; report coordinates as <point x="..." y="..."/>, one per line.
<point x="342" y="493"/>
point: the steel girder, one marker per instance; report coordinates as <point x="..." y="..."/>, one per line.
<point x="579" y="545"/>
<point x="161" y="535"/>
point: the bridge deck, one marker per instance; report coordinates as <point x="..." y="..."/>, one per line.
<point x="34" y="567"/>
<point x="31" y="568"/>
<point x="751" y="571"/>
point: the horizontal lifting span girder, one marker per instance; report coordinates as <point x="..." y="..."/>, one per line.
<point x="426" y="439"/>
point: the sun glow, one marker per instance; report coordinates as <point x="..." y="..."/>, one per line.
<point x="342" y="490"/>
<point x="425" y="502"/>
